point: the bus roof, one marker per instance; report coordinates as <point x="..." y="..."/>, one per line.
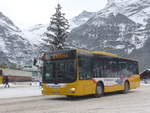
<point x="93" y="52"/>
<point x="105" y="53"/>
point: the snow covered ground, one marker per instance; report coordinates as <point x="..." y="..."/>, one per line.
<point x="136" y="101"/>
<point x="19" y="91"/>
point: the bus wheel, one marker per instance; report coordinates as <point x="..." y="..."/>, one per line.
<point x="99" y="90"/>
<point x="126" y="87"/>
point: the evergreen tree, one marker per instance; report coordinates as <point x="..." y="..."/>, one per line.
<point x="57" y="31"/>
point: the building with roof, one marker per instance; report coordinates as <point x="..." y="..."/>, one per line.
<point x="145" y="74"/>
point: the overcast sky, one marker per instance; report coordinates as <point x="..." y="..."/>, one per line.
<point x="25" y="13"/>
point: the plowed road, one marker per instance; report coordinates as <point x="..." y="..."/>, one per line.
<point x="136" y="101"/>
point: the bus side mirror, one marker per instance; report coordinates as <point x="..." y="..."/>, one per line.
<point x="34" y="62"/>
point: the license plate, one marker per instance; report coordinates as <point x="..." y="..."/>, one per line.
<point x="54" y="86"/>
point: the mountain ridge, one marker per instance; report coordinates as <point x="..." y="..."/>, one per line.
<point x="118" y="29"/>
<point x="121" y="27"/>
<point x="13" y="45"/>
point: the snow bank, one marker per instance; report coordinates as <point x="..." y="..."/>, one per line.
<point x="19" y="91"/>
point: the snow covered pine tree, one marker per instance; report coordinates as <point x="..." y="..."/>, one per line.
<point x="57" y="31"/>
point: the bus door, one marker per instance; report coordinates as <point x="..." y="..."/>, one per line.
<point x="110" y="75"/>
<point x="85" y="75"/>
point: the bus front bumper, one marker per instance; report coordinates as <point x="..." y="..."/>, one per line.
<point x="66" y="90"/>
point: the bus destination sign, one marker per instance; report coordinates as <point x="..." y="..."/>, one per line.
<point x="60" y="56"/>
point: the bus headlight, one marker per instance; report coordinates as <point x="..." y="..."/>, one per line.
<point x="72" y="89"/>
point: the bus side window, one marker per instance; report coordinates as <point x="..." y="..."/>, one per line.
<point x="124" y="68"/>
<point x="85" y="67"/>
<point x="133" y="68"/>
<point x="110" y="68"/>
<point x="97" y="68"/>
<point x="107" y="68"/>
<point x="114" y="69"/>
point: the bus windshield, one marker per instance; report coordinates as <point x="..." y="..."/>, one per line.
<point x="59" y="71"/>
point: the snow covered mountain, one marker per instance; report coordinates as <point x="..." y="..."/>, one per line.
<point x="137" y="10"/>
<point x="13" y="47"/>
<point x="122" y="27"/>
<point x="80" y="19"/>
<point x="34" y="34"/>
<point x="112" y="32"/>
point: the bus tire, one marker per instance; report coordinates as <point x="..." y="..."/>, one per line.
<point x="99" y="90"/>
<point x="126" y="87"/>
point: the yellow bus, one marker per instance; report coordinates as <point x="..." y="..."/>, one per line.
<point x="80" y="72"/>
<point x="1" y="77"/>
